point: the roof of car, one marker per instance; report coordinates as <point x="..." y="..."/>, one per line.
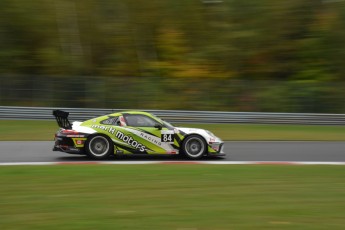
<point x="132" y="112"/>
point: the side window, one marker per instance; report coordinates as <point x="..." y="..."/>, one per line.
<point x="138" y="120"/>
<point x="110" y="121"/>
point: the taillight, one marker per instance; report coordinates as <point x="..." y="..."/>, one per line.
<point x="69" y="132"/>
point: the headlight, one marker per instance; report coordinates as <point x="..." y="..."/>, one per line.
<point x="210" y="133"/>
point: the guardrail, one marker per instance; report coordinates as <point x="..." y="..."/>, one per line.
<point x="179" y="116"/>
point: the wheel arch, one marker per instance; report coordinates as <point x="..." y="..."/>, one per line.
<point x="97" y="134"/>
<point x="89" y="137"/>
<point x="194" y="134"/>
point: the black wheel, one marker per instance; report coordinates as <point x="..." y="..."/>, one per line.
<point x="194" y="147"/>
<point x="99" y="147"/>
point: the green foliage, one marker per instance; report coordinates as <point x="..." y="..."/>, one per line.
<point x="297" y="43"/>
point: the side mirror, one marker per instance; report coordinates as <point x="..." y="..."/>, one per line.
<point x="158" y="126"/>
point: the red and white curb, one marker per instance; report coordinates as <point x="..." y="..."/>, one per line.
<point x="175" y="163"/>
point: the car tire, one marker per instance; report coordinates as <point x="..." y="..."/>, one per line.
<point x="99" y="147"/>
<point x="194" y="147"/>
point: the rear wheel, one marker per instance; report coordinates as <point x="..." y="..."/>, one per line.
<point x="99" y="147"/>
<point x="194" y="147"/>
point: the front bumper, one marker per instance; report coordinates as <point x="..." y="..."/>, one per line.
<point x="216" y="149"/>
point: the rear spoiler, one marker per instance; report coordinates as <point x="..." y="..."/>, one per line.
<point x="62" y="119"/>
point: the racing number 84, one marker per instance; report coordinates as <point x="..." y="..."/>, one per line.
<point x="167" y="137"/>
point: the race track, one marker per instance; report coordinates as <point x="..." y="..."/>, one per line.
<point x="40" y="151"/>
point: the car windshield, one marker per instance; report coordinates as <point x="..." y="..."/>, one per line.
<point x="166" y="124"/>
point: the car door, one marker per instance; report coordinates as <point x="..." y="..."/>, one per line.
<point x="150" y="133"/>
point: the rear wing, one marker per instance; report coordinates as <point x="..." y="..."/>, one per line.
<point x="62" y="119"/>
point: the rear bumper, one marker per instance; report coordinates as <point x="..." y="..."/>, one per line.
<point x="67" y="149"/>
<point x="67" y="145"/>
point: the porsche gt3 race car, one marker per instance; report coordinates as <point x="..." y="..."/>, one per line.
<point x="132" y="132"/>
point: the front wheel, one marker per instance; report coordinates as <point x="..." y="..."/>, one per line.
<point x="99" y="147"/>
<point x="194" y="147"/>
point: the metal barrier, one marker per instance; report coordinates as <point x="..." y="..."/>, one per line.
<point x="178" y="116"/>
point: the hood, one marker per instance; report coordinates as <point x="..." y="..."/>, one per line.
<point x="191" y="130"/>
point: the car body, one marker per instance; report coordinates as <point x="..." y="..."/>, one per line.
<point x="132" y="132"/>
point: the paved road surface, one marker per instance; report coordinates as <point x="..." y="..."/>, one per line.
<point x="40" y="151"/>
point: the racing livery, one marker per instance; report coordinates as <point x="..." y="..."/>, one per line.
<point x="132" y="132"/>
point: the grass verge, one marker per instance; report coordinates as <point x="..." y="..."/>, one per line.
<point x="44" y="130"/>
<point x="172" y="197"/>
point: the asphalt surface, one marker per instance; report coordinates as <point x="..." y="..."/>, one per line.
<point x="41" y="151"/>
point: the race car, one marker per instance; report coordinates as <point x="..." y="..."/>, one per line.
<point x="132" y="132"/>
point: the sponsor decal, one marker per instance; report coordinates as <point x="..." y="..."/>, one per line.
<point x="156" y="140"/>
<point x="119" y="152"/>
<point x="172" y="152"/>
<point x="123" y="137"/>
<point x="79" y="142"/>
<point x="105" y="128"/>
<point x="215" y="148"/>
<point x="150" y="138"/>
<point x="129" y="140"/>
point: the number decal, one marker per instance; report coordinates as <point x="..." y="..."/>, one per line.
<point x="167" y="136"/>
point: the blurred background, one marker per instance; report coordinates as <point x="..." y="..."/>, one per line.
<point x="222" y="55"/>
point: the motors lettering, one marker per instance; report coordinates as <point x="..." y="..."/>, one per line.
<point x="125" y="138"/>
<point x="129" y="140"/>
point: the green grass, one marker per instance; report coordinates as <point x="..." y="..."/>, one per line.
<point x="44" y="130"/>
<point x="22" y="130"/>
<point x="172" y="197"/>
